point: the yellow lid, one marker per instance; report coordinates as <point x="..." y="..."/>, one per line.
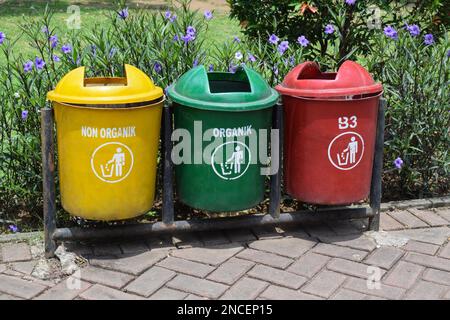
<point x="134" y="88"/>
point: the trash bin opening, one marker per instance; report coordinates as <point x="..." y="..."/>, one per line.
<point x="117" y="106"/>
<point x="105" y="82"/>
<point x="311" y="71"/>
<point x="222" y="82"/>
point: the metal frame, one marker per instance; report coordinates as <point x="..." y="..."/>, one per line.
<point x="168" y="223"/>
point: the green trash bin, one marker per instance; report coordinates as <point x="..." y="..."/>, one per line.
<point x="221" y="138"/>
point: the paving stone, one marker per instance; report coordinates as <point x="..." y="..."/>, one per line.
<point x="240" y="235"/>
<point x="25" y="267"/>
<point x="421" y="247"/>
<point x="295" y="231"/>
<point x="20" y="288"/>
<point x="351" y="268"/>
<point x="213" y="238"/>
<point x="437" y="276"/>
<point x="279" y="293"/>
<point x="150" y="281"/>
<point x="163" y="242"/>
<point x="447" y="296"/>
<point x="276" y="276"/>
<point x="266" y="258"/>
<point x="385" y="291"/>
<point x="318" y="229"/>
<point x="186" y="240"/>
<point x="268" y="232"/>
<point x="230" y="271"/>
<point x="47" y="283"/>
<point x="444" y="214"/>
<point x="13" y="273"/>
<point x="64" y="291"/>
<point x="309" y="264"/>
<point x="195" y="297"/>
<point x="408" y="219"/>
<point x="12" y="252"/>
<point x="387" y="223"/>
<point x="106" y="277"/>
<point x="428" y="261"/>
<point x="79" y="248"/>
<point x="107" y="249"/>
<point x="427" y="291"/>
<point x="360" y="224"/>
<point x="384" y="257"/>
<point x="324" y="283"/>
<point x="342" y="227"/>
<point x="134" y="264"/>
<point x="445" y="251"/>
<point x="99" y="292"/>
<point x="7" y="297"/>
<point x="429" y="217"/>
<point x="3" y="267"/>
<point x="436" y="235"/>
<point x="404" y="275"/>
<point x="212" y="255"/>
<point x="359" y="242"/>
<point x="245" y="289"/>
<point x="288" y="247"/>
<point x="197" y="286"/>
<point x="134" y="247"/>
<point x="168" y="294"/>
<point x="412" y="203"/>
<point x="340" y="252"/>
<point x="344" y="294"/>
<point x="185" y="266"/>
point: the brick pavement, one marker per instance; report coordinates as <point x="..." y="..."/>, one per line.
<point x="320" y="261"/>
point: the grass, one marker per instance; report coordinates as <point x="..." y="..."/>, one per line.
<point x="94" y="12"/>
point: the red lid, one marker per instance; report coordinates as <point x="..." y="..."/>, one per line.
<point x="306" y="80"/>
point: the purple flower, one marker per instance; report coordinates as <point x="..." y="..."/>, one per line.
<point x="208" y="15"/>
<point x="24" y="114"/>
<point x="251" y="58"/>
<point x="284" y="45"/>
<point x="39" y="63"/>
<point x="173" y="18"/>
<point x="66" y="49"/>
<point x="94" y="50"/>
<point x="329" y="29"/>
<point x="168" y="15"/>
<point x="428" y="39"/>
<point x="448" y="53"/>
<point x="303" y="41"/>
<point x="53" y="41"/>
<point x="56" y="58"/>
<point x="211" y="68"/>
<point x="391" y="32"/>
<point x="187" y="38"/>
<point x="195" y="63"/>
<point x="238" y="55"/>
<point x="157" y="67"/>
<point x="273" y="39"/>
<point x="191" y="31"/>
<point x="45" y="30"/>
<point x="176" y="38"/>
<point x="2" y="37"/>
<point x="291" y="61"/>
<point x="112" y="52"/>
<point x="236" y="39"/>
<point x="232" y="68"/>
<point x="398" y="163"/>
<point x="123" y="14"/>
<point x="275" y="70"/>
<point x="13" y="228"/>
<point x="413" y="29"/>
<point x="28" y="66"/>
<point x="350" y="2"/>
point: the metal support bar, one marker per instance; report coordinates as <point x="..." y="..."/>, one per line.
<point x="375" y="189"/>
<point x="139" y="230"/>
<point x="168" y="199"/>
<point x="48" y="178"/>
<point x="276" y="163"/>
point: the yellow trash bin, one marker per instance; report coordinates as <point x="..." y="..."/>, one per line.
<point x="108" y="133"/>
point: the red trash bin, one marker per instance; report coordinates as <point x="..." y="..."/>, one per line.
<point x="330" y="130"/>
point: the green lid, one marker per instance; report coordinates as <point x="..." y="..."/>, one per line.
<point x="244" y="90"/>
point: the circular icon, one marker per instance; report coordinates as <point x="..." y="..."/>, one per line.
<point x="345" y="151"/>
<point x="231" y="160"/>
<point x="112" y="162"/>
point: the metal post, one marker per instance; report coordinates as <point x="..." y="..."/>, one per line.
<point x="48" y="177"/>
<point x="277" y="158"/>
<point x="375" y="189"/>
<point x="168" y="199"/>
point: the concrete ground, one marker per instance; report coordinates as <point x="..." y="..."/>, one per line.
<point x="410" y="259"/>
